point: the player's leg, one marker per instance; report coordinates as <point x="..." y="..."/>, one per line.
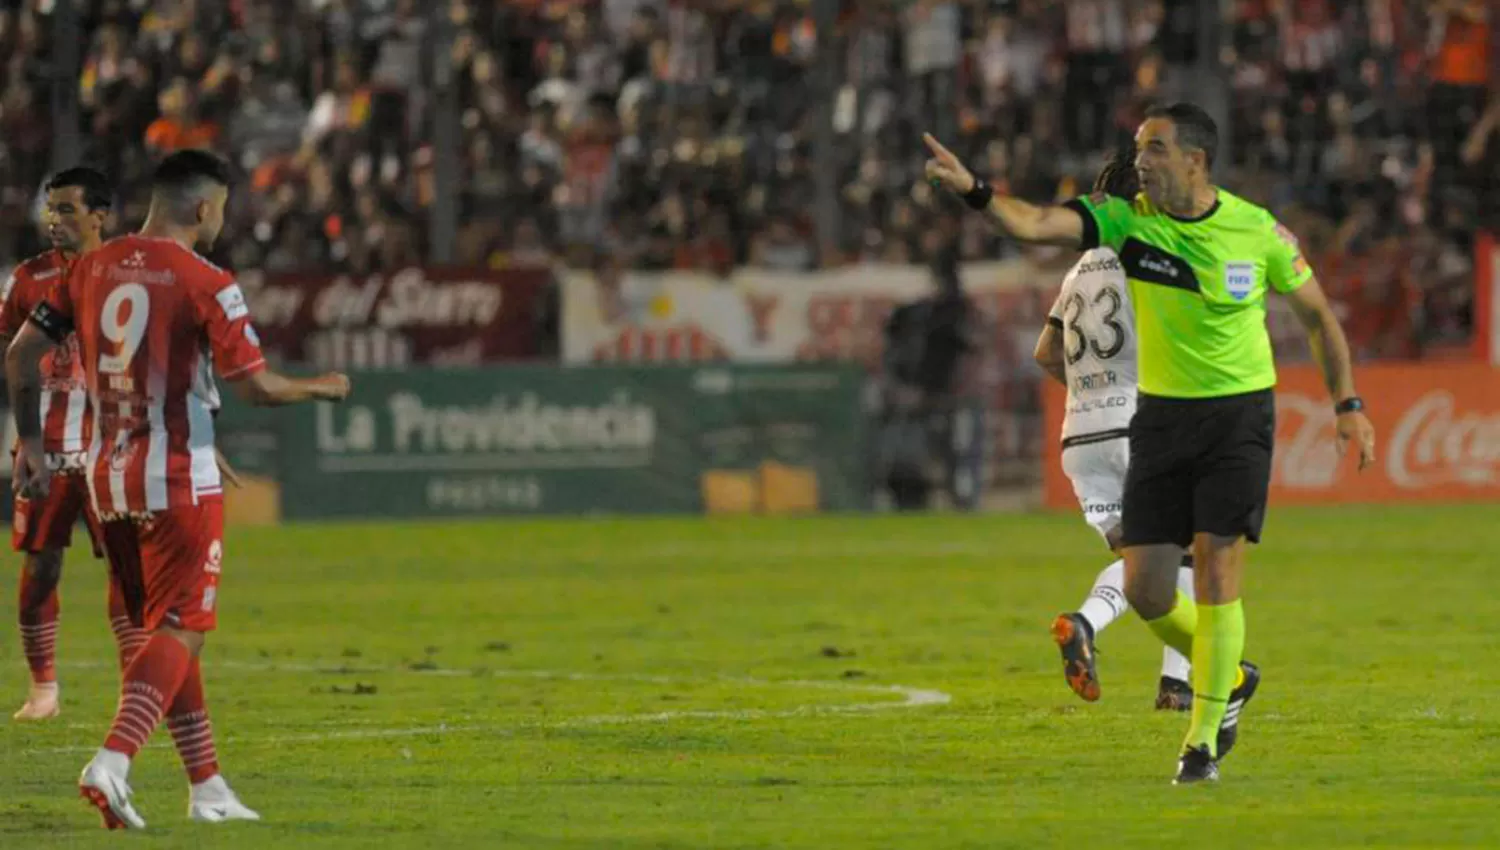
<point x="180" y="557"/>
<point x="1174" y="693"/>
<point x="129" y="638"/>
<point x="42" y="531"/>
<point x="37" y="611"/>
<point x="1097" y="471"/>
<point x="157" y="668"/>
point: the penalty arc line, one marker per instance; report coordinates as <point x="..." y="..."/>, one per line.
<point x="910" y="698"/>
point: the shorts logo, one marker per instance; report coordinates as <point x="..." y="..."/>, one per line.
<point x="251" y="336"/>
<point x="1239" y="279"/>
<point x="215" y="563"/>
<point x="209" y="595"/>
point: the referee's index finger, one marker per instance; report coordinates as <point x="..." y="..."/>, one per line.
<point x="936" y="147"/>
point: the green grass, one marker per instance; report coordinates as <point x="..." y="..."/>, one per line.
<point x="676" y="709"/>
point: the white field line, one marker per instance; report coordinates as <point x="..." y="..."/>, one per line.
<point x="909" y="698"/>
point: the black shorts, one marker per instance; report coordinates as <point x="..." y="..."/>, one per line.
<point x="1198" y="465"/>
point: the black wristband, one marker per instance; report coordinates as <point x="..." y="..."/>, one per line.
<point x="978" y="198"/>
<point x="1349" y="405"/>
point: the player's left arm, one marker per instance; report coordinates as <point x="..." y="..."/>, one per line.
<point x="1049" y="351"/>
<point x="23" y="373"/>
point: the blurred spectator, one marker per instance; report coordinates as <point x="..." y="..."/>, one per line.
<point x="680" y="133"/>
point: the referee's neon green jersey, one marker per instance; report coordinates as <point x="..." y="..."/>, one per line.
<point x="1199" y="289"/>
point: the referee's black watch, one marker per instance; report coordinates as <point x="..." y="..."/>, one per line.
<point x="1349" y="405"/>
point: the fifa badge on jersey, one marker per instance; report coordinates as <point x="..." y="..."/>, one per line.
<point x="1239" y="279"/>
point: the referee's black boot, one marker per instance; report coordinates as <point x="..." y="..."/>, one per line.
<point x="1075" y="638"/>
<point x="1174" y="695"/>
<point x="1229" y="728"/>
<point x="1196" y="765"/>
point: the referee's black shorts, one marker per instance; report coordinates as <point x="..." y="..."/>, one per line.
<point x="1198" y="465"/>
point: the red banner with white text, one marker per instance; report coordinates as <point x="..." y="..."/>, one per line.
<point x="412" y="317"/>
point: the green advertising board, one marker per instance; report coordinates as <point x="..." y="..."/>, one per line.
<point x="573" y="440"/>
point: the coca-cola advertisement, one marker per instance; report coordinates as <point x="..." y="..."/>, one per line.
<point x="1437" y="437"/>
<point x="412" y="317"/>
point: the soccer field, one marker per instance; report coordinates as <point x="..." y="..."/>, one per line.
<point x="819" y="683"/>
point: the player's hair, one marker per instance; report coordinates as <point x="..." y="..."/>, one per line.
<point x="98" y="192"/>
<point x="182" y="179"/>
<point x="189" y="169"/>
<point x="1195" y="128"/>
<point x="1119" y="177"/>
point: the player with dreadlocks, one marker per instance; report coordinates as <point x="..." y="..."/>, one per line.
<point x="1089" y="346"/>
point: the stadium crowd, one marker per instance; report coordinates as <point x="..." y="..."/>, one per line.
<point x="679" y="133"/>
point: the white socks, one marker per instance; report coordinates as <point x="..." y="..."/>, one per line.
<point x="1106" y="602"/>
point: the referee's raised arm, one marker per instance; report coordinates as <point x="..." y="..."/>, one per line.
<point x="1017" y="218"/>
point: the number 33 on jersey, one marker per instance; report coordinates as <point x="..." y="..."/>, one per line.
<point x="1094" y="312"/>
<point x="154" y="322"/>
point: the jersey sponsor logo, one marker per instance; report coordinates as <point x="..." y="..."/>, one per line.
<point x="1150" y="264"/>
<point x="232" y="300"/>
<point x="1095" y="381"/>
<point x="61" y="461"/>
<point x="1239" y="279"/>
<point x="1102" y="508"/>
<point x="214" y="564"/>
<point x="1108" y="264"/>
<point x="46" y="275"/>
<point x="1094" y="404"/>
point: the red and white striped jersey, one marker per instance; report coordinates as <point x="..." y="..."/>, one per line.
<point x="154" y="320"/>
<point x="66" y="417"/>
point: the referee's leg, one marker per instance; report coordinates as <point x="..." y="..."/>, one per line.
<point x="1231" y="487"/>
<point x="1157" y="521"/>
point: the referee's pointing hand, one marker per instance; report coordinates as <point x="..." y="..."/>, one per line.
<point x="1356" y="427"/>
<point x="944" y="169"/>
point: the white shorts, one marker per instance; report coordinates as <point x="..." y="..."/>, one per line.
<point x="1097" y="471"/>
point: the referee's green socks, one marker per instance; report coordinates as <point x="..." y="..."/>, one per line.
<point x="1177" y="627"/>
<point x="1218" y="646"/>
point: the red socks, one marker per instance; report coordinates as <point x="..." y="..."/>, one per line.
<point x="187" y="720"/>
<point x="129" y="638"/>
<point x="151" y="684"/>
<point x="38" y="616"/>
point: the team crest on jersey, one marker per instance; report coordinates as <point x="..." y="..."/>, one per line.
<point x="119" y="459"/>
<point x="1239" y="279"/>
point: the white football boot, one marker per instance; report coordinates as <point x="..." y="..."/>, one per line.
<point x="103" y="785"/>
<point x="213" y="801"/>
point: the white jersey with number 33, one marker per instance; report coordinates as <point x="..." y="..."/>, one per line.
<point x="1097" y="321"/>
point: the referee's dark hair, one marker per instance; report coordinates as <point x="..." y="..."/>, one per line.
<point x="1195" y="128"/>
<point x="1119" y="177"/>
<point x="98" y="194"/>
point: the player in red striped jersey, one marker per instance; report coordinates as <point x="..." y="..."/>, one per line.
<point x="154" y="322"/>
<point x="78" y="202"/>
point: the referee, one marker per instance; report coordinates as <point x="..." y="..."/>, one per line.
<point x="1200" y="263"/>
